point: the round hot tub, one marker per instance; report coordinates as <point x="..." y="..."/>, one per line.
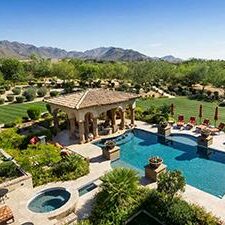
<point x="49" y="200"/>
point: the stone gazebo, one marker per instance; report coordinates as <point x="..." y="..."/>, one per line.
<point x="85" y="108"/>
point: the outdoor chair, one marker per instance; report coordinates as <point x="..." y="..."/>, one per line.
<point x="215" y="130"/>
<point x="204" y="125"/>
<point x="6" y="215"/>
<point x="180" y="121"/>
<point x="191" y="123"/>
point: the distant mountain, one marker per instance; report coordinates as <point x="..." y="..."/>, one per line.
<point x="23" y="51"/>
<point x="170" y="58"/>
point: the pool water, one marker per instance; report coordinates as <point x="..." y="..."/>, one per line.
<point x="202" y="168"/>
<point x="49" y="200"/>
<point x="87" y="188"/>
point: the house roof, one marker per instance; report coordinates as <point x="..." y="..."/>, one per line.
<point x="91" y="98"/>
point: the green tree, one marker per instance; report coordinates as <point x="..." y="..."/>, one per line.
<point x="171" y="182"/>
<point x="12" y="69"/>
<point x="64" y="70"/>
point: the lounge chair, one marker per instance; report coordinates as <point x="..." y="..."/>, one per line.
<point x="6" y="215"/>
<point x="215" y="130"/>
<point x="180" y="121"/>
<point x="192" y="123"/>
<point x="204" y="125"/>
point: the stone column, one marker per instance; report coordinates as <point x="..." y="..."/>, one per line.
<point x="132" y="115"/>
<point x="86" y="128"/>
<point x="81" y="132"/>
<point x="56" y="121"/>
<point x="95" y="127"/>
<point x="72" y="127"/>
<point x="113" y="120"/>
<point x="122" y="125"/>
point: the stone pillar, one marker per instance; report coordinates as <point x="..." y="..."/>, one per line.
<point x="56" y="121"/>
<point x="86" y="127"/>
<point x="95" y="127"/>
<point x="81" y="132"/>
<point x="132" y="115"/>
<point x="72" y="127"/>
<point x="113" y="120"/>
<point x="122" y="125"/>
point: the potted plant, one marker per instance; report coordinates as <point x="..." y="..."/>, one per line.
<point x="155" y="161"/>
<point x="110" y="145"/>
<point x="163" y="124"/>
<point x="205" y="133"/>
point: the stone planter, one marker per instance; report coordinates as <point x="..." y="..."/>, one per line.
<point x="205" y="141"/>
<point x="165" y="131"/>
<point x="153" y="173"/>
<point x="111" y="154"/>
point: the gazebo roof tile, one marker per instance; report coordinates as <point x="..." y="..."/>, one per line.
<point x="91" y="98"/>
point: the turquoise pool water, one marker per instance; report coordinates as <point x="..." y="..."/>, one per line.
<point x="49" y="200"/>
<point x="202" y="168"/>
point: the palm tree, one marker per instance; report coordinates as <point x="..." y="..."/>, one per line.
<point x="119" y="186"/>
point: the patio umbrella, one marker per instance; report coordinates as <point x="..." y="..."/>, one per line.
<point x="216" y="116"/>
<point x="172" y="110"/>
<point x="200" y="113"/>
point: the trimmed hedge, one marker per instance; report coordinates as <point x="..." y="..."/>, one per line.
<point x="16" y="90"/>
<point x="34" y="112"/>
<point x="41" y="92"/>
<point x="20" y="99"/>
<point x="2" y="101"/>
<point x="54" y="93"/>
<point x="10" y="98"/>
<point x="2" y="91"/>
<point x="30" y="94"/>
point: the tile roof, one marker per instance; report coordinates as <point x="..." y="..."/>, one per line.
<point x="90" y="98"/>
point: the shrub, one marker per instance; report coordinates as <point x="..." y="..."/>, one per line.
<point x="16" y="90"/>
<point x="54" y="93"/>
<point x="180" y="213"/>
<point x="41" y="92"/>
<point x="34" y="112"/>
<point x="2" y="101"/>
<point x="10" y="139"/>
<point x="9" y="125"/>
<point x="29" y="94"/>
<point x="10" y="98"/>
<point x="71" y="168"/>
<point x="118" y="191"/>
<point x="171" y="182"/>
<point x="39" y="84"/>
<point x="8" y="169"/>
<point x="7" y="87"/>
<point x="20" y="99"/>
<point x="2" y="91"/>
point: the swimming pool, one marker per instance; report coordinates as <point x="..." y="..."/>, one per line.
<point x="202" y="168"/>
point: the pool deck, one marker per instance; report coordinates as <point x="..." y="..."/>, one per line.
<point x="18" y="199"/>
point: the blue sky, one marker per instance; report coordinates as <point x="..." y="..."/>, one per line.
<point x="183" y="28"/>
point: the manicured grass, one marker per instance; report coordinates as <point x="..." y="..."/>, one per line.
<point x="9" y="113"/>
<point x="186" y="107"/>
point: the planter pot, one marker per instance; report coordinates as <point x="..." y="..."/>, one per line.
<point x="155" y="164"/>
<point x="165" y="131"/>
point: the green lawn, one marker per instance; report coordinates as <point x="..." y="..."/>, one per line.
<point x="186" y="107"/>
<point x="9" y="113"/>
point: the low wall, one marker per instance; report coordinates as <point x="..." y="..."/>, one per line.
<point x="23" y="181"/>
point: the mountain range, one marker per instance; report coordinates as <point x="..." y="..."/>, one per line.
<point x="24" y="51"/>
